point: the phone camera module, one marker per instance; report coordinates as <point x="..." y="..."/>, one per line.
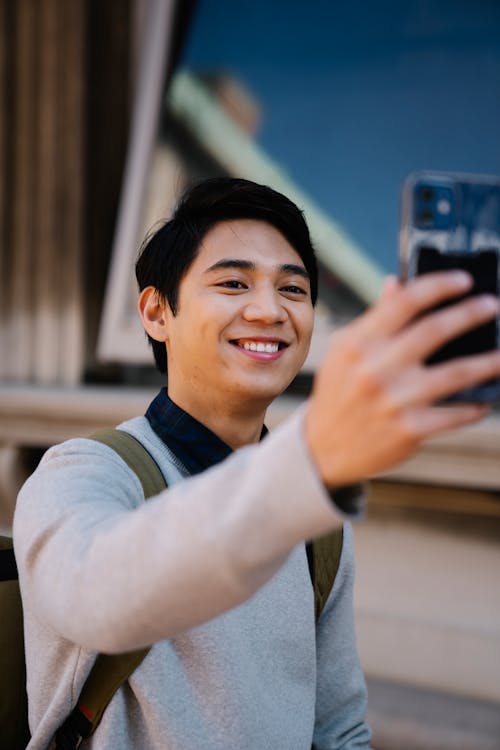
<point x="433" y="207"/>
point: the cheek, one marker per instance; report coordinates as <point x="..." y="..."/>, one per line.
<point x="200" y="330"/>
<point x="304" y="325"/>
<point x="218" y="314"/>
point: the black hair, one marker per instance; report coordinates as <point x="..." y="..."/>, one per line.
<point x="168" y="252"/>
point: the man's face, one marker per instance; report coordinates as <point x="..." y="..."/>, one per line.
<point x="244" y="319"/>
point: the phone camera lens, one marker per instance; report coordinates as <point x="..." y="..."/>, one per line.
<point x="426" y="194"/>
<point x="426" y="217"/>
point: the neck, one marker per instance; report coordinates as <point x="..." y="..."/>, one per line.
<point x="236" y="426"/>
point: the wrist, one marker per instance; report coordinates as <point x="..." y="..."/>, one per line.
<point x="349" y="499"/>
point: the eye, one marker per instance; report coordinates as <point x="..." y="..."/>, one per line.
<point x="232" y="284"/>
<point x="293" y="289"/>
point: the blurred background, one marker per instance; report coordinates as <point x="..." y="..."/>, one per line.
<point x="108" y="110"/>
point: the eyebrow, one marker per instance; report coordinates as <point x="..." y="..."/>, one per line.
<point x="247" y="265"/>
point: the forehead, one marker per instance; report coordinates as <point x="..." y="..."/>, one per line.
<point x="246" y="239"/>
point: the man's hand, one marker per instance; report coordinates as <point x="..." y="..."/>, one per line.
<point x="373" y="400"/>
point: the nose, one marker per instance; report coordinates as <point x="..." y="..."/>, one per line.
<point x="265" y="305"/>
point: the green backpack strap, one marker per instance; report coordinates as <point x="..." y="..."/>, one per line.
<point x="325" y="564"/>
<point x="137" y="458"/>
<point x="14" y="730"/>
<point x="110" y="671"/>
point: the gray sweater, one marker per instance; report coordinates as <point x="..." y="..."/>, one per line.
<point x="213" y="572"/>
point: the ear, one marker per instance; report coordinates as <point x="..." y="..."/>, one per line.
<point x="155" y="313"/>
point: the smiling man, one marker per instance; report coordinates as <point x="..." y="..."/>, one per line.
<point x="213" y="572"/>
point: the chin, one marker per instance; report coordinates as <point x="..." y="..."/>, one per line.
<point x="264" y="392"/>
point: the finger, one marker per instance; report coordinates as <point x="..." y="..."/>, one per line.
<point x="426" y="385"/>
<point x="390" y="285"/>
<point x="423" y="338"/>
<point x="427" y="423"/>
<point x="395" y="311"/>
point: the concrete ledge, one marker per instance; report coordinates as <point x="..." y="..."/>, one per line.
<point x="34" y="415"/>
<point x="42" y="416"/>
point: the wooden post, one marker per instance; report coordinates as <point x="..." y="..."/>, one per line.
<point x="64" y="87"/>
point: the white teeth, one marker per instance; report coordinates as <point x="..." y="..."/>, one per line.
<point x="259" y="346"/>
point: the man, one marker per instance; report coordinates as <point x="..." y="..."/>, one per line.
<point x="213" y="572"/>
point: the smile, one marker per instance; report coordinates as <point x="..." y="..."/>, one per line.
<point x="260" y="347"/>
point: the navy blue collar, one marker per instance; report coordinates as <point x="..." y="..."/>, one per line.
<point x="196" y="447"/>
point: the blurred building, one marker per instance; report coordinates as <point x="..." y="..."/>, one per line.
<point x="106" y="114"/>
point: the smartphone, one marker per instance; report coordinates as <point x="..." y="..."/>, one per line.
<point x="451" y="221"/>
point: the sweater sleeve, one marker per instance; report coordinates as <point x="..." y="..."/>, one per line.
<point x="341" y="700"/>
<point x="111" y="573"/>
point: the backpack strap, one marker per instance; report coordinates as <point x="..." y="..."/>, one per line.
<point x="324" y="564"/>
<point x="14" y="730"/>
<point x="137" y="458"/>
<point x="110" y="671"/>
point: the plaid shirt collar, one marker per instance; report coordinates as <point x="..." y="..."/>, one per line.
<point x="193" y="444"/>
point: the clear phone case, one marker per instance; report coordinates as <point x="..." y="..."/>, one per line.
<point x="453" y="221"/>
